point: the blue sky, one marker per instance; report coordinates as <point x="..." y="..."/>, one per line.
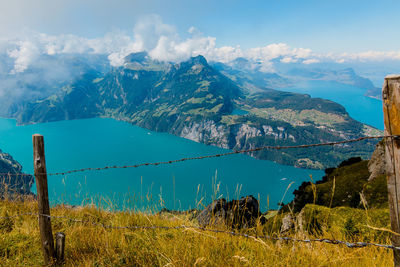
<point x="334" y="25"/>
<point x="322" y="25"/>
<point x="291" y="31"/>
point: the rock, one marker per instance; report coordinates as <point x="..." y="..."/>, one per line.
<point x="213" y="213"/>
<point x="287" y="223"/>
<point x="241" y="213"/>
<point x="377" y="163"/>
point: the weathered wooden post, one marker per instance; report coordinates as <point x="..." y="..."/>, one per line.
<point x="391" y="110"/>
<point x="46" y="234"/>
<point x="60" y="245"/>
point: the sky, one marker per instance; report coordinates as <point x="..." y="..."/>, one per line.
<point x="307" y="31"/>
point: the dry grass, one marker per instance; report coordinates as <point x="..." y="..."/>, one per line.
<point x="94" y="245"/>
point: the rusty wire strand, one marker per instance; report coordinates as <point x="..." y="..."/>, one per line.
<point x="322" y="240"/>
<point x="223" y="154"/>
<point x="276" y="238"/>
<point x="210" y="156"/>
<point x="279" y="238"/>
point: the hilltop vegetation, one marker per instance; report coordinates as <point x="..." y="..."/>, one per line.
<point x="196" y="101"/>
<point x="354" y="183"/>
<point x="343" y="186"/>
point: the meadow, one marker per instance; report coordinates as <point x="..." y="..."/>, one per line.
<point x="100" y="237"/>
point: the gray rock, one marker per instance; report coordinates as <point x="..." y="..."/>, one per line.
<point x="287" y="223"/>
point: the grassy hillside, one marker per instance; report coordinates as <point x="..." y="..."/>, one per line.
<point x="90" y="244"/>
<point x="344" y="186"/>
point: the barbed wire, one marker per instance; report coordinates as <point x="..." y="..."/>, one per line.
<point x="286" y="238"/>
<point x="224" y="154"/>
<point x="208" y="156"/>
<point x="158" y="227"/>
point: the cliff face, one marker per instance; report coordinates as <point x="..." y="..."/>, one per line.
<point x="195" y="101"/>
<point x="207" y="132"/>
<point x="11" y="180"/>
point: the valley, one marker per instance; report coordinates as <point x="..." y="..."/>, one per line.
<point x="193" y="100"/>
<point x="199" y="133"/>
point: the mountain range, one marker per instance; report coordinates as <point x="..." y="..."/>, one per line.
<point x="252" y="76"/>
<point x="230" y="106"/>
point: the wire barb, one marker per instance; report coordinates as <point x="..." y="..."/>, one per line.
<point x="208" y="156"/>
<point x="223" y="155"/>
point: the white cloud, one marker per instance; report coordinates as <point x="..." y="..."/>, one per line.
<point x="150" y="30"/>
<point x="163" y="42"/>
<point x="302" y="52"/>
<point x="225" y="53"/>
<point x="289" y="60"/>
<point x="23" y="55"/>
<point x="268" y="52"/>
<point x="310" y="61"/>
<point x="370" y="56"/>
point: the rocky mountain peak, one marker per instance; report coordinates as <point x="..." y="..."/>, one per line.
<point x="139" y="57"/>
<point x="197" y="60"/>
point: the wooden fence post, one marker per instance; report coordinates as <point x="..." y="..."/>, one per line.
<point x="39" y="164"/>
<point x="391" y="110"/>
<point x="60" y="245"/>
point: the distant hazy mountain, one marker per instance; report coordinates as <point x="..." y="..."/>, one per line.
<point x="345" y="76"/>
<point x="374" y="93"/>
<point x="250" y="75"/>
<point x="196" y="101"/>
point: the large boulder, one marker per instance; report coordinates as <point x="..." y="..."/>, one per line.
<point x="241" y="213"/>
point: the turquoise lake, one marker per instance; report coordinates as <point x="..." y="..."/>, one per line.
<point x="359" y="107"/>
<point x="101" y="142"/>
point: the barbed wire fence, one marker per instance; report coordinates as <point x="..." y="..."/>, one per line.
<point x="210" y="156"/>
<point x="43" y="174"/>
<point x="204" y="229"/>
<point x="391" y="107"/>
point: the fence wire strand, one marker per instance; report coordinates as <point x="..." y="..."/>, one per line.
<point x="209" y="156"/>
<point x="137" y="227"/>
<point x="224" y="154"/>
<point x="236" y="234"/>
